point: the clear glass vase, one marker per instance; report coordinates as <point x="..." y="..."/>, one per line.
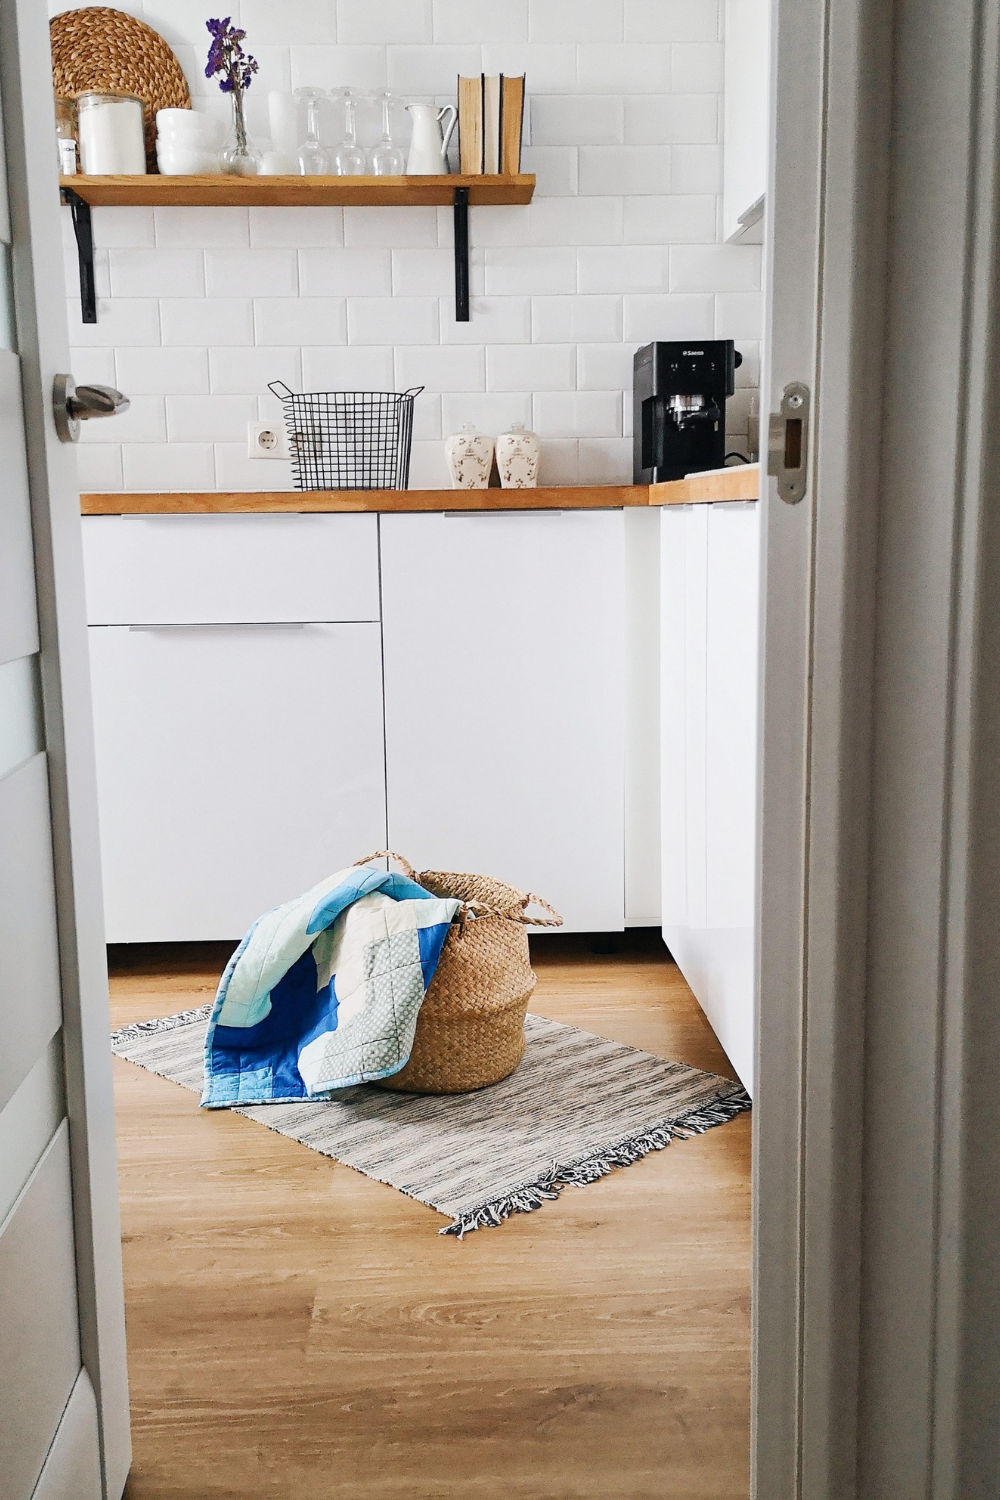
<point x="239" y="156"/>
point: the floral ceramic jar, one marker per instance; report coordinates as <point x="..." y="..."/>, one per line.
<point x="470" y="459"/>
<point x="518" y="453"/>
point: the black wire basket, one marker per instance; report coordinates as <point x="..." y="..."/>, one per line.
<point x="349" y="440"/>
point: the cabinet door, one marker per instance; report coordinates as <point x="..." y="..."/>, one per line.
<point x="236" y="767"/>
<point x="505" y="701"/>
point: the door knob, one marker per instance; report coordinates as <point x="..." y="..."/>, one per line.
<point x="73" y="404"/>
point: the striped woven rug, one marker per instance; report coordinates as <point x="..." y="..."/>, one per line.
<point x="577" y="1107"/>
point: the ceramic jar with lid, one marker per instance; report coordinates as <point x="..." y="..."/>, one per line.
<point x="470" y="459"/>
<point x="518" y="455"/>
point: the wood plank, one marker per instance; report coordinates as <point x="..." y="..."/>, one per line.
<point x="556" y="497"/>
<point x="741" y="482"/>
<point x="297" y="1330"/>
<point x="153" y="189"/>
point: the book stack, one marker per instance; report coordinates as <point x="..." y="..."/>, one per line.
<point x="490" y="123"/>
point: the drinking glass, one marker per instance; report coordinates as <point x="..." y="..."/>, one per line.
<point x="313" y="160"/>
<point x="348" y="159"/>
<point x="387" y="159"/>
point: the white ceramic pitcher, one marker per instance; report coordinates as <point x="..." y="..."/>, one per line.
<point x="429" y="144"/>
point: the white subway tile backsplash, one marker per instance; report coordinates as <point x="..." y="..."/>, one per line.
<point x="575" y="20"/>
<point x="285" y="321"/>
<point x="480" y="21"/>
<point x="625" y="169"/>
<point x="444" y="368"/>
<point x="295" y="228"/>
<point x="570" y="320"/>
<point x="606" y="461"/>
<point x="236" y="470"/>
<point x="426" y="416"/>
<point x="431" y="273"/>
<point x="120" y="320"/>
<point x="388" y="21"/>
<point x="290" y="21"/>
<point x="99" y="467"/>
<point x="251" y="273"/>
<point x="748" y="373"/>
<point x="577" y="120"/>
<point x="529" y="272"/>
<point x="209" y="419"/>
<point x="88" y="366"/>
<point x="158" y="372"/>
<point x="677" y="218"/>
<point x="396" y="228"/>
<point x="492" y="224"/>
<point x="392" y="320"/>
<point x="671" y="119"/>
<point x="578" y="414"/>
<point x="248" y="372"/>
<point x="495" y="320"/>
<point x="624" y="268"/>
<point x="714" y="268"/>
<point x="429" y="467"/>
<point x="549" y="70"/>
<point x="337" y="67"/>
<point x="632" y="68"/>
<point x="531" y="367"/>
<point x="491" y="412"/>
<point x="696" y="169"/>
<point x="347" y="369"/>
<point x="431" y="70"/>
<point x="672" y="21"/>
<point x="739" y="315"/>
<point x="206" y="320"/>
<point x="169" y="466"/>
<point x="199" y="228"/>
<point x="605" y="367"/>
<point x="696" y="67"/>
<point x="345" y="273"/>
<point x="560" y="462"/>
<point x="122" y="228"/>
<point x="157" y="273"/>
<point x="144" y="422"/>
<point x="575" y="221"/>
<point x="671" y="316"/>
<point x="556" y="169"/>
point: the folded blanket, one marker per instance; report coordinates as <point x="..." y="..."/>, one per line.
<point x="324" y="992"/>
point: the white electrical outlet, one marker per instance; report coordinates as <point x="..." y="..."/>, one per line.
<point x="267" y="440"/>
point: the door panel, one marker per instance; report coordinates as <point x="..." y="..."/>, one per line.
<point x="28" y="1122"/>
<point x="18" y="617"/>
<point x="30" y="1009"/>
<point x="38" y="1319"/>
<point x="236" y="767"/>
<point x="193" y="569"/>
<point x="504" y="662"/>
<point x="73" y="1467"/>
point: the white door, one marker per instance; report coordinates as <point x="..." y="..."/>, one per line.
<point x="504" y="687"/>
<point x="63" y="1395"/>
<point x="238" y="764"/>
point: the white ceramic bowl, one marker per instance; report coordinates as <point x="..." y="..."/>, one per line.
<point x="175" y="160"/>
<point x="186" y="126"/>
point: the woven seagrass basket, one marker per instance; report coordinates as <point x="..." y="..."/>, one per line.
<point x="470" y="1030"/>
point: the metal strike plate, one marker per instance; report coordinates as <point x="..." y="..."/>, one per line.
<point x="788" y="443"/>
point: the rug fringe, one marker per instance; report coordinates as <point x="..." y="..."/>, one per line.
<point x="524" y="1200"/>
<point x="162" y="1023"/>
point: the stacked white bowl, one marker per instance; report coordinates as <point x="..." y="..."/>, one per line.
<point x="186" y="143"/>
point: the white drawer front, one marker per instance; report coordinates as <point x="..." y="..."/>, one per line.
<point x="172" y="569"/>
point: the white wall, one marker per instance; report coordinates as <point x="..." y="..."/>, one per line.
<point x="200" y="308"/>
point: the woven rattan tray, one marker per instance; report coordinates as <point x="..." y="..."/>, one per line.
<point x="109" y="52"/>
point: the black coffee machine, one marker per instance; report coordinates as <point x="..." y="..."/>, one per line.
<point x="679" y="408"/>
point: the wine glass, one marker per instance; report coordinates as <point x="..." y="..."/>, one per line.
<point x="387" y="159"/>
<point x="348" y="159"/>
<point x="313" y="160"/>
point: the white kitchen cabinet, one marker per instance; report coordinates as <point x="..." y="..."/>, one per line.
<point x="745" y="119"/>
<point x="504" y="689"/>
<point x="237" y="765"/>
<point x="708" y="654"/>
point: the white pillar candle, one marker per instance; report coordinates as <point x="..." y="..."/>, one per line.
<point x="112" y="142"/>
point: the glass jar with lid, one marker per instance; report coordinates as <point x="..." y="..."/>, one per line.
<point x="112" y="139"/>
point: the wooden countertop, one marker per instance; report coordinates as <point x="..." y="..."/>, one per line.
<point x="700" y="489"/>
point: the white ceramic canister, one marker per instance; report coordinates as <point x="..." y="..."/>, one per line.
<point x="518" y="455"/>
<point x="112" y="141"/>
<point x="470" y="459"/>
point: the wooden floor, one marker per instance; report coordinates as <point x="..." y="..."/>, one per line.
<point x="297" y="1331"/>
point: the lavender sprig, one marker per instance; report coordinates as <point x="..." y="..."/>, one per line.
<point x="226" y="56"/>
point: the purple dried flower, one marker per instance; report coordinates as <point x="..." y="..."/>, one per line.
<point x="226" y="56"/>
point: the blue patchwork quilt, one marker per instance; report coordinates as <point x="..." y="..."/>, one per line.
<point x="324" y="992"/>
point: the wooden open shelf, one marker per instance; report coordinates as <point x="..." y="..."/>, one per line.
<point x="153" y="190"/>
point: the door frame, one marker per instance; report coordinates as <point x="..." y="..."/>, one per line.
<point x="876" y="1351"/>
<point x="37" y="267"/>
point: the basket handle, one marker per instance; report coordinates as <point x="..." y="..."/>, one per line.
<point x="554" y="921"/>
<point x="407" y="868"/>
<point x="414" y="390"/>
<point x="281" y="390"/>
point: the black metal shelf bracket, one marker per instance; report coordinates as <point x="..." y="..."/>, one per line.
<point x="83" y="229"/>
<point x="462" y="255"/>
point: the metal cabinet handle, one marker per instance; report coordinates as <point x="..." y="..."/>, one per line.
<point x="73" y="404"/>
<point x="226" y="625"/>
